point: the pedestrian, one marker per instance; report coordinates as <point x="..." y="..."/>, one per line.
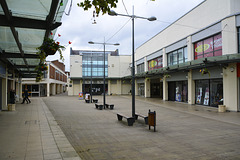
<point x="26" y="97"/>
<point x="12" y="96"/>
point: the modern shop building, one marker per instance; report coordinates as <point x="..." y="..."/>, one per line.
<point x="196" y="59"/>
<point x="87" y="67"/>
<point x="54" y="81"/>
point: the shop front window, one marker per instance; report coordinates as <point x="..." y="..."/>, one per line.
<point x="208" y="47"/>
<point x="209" y="92"/>
<point x="177" y="57"/>
<point x="181" y="91"/>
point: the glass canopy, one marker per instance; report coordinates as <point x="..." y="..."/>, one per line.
<point x="23" y="26"/>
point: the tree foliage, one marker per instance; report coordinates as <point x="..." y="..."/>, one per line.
<point x="103" y="6"/>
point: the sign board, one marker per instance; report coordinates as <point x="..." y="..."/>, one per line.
<point x="80" y="95"/>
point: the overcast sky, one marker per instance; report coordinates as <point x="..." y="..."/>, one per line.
<point x="78" y="27"/>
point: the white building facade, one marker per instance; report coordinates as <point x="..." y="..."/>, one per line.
<point x="88" y="66"/>
<point x="195" y="59"/>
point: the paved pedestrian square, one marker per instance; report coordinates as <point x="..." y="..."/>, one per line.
<point x="183" y="131"/>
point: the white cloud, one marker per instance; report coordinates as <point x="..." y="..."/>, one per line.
<point x="78" y="27"/>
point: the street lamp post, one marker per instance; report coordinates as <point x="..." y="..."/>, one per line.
<point x="104" y="77"/>
<point x="113" y="13"/>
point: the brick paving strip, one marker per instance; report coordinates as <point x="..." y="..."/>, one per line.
<point x="66" y="150"/>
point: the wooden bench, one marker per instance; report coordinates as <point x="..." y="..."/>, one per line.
<point x="87" y="100"/>
<point x="130" y="120"/>
<point x="111" y="106"/>
<point x="140" y="115"/>
<point x="99" y="106"/>
<point x="95" y="100"/>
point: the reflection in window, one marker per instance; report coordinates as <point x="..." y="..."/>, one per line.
<point x="177" y="57"/>
<point x="208" y="47"/>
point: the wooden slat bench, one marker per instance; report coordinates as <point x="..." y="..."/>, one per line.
<point x="130" y="120"/>
<point x="110" y="106"/>
<point x="140" y="115"/>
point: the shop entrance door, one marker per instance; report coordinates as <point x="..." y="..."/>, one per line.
<point x="155" y="90"/>
<point x="171" y="91"/>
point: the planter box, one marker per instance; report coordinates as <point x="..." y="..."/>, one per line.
<point x="11" y="107"/>
<point x="221" y="108"/>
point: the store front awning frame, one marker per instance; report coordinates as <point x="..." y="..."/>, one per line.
<point x="15" y="22"/>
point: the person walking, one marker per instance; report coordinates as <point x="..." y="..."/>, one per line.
<point x="26" y="97"/>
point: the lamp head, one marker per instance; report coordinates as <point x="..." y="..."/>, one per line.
<point x="112" y="13"/>
<point x="116" y="44"/>
<point x="91" y="42"/>
<point x="152" y="18"/>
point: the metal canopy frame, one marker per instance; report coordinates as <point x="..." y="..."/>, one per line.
<point x="15" y="22"/>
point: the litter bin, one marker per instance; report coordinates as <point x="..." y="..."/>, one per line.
<point x="221" y="108"/>
<point x="152" y="119"/>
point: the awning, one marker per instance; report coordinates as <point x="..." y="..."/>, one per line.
<point x="23" y="26"/>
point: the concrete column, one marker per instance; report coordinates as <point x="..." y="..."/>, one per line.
<point x="229" y="36"/>
<point x="54" y="89"/>
<point x="147" y="87"/>
<point x="164" y="57"/>
<point x="48" y="89"/>
<point x="4" y="93"/>
<point x="109" y="87"/>
<point x="165" y="89"/>
<point x="230" y="88"/>
<point x="145" y="64"/>
<point x="190" y="49"/>
<point x="191" y="88"/>
<point x="119" y="86"/>
<point x="60" y="88"/>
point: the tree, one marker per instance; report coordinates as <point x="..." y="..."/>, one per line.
<point x="103" y="6"/>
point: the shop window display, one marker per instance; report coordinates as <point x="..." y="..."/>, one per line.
<point x="209" y="92"/>
<point x="181" y="91"/>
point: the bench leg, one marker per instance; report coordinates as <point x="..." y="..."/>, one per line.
<point x="119" y="117"/>
<point x="130" y="121"/>
<point x="136" y="116"/>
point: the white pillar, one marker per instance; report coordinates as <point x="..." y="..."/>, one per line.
<point x="165" y="89"/>
<point x="48" y="89"/>
<point x="191" y="88"/>
<point x="20" y="89"/>
<point x="54" y="89"/>
<point x="4" y="93"/>
<point x="230" y="94"/>
<point x="147" y="87"/>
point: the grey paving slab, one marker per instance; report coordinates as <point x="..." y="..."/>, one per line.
<point x="183" y="131"/>
<point x="29" y="134"/>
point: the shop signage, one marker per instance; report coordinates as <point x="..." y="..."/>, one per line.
<point x="155" y="63"/>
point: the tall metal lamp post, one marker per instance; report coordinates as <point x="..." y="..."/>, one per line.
<point x="104" y="77"/>
<point x="113" y="13"/>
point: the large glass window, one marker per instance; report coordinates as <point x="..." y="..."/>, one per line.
<point x="140" y="68"/>
<point x="178" y="56"/>
<point x="155" y="63"/>
<point x="93" y="65"/>
<point x="238" y="40"/>
<point x="209" y="92"/>
<point x="208" y="47"/>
